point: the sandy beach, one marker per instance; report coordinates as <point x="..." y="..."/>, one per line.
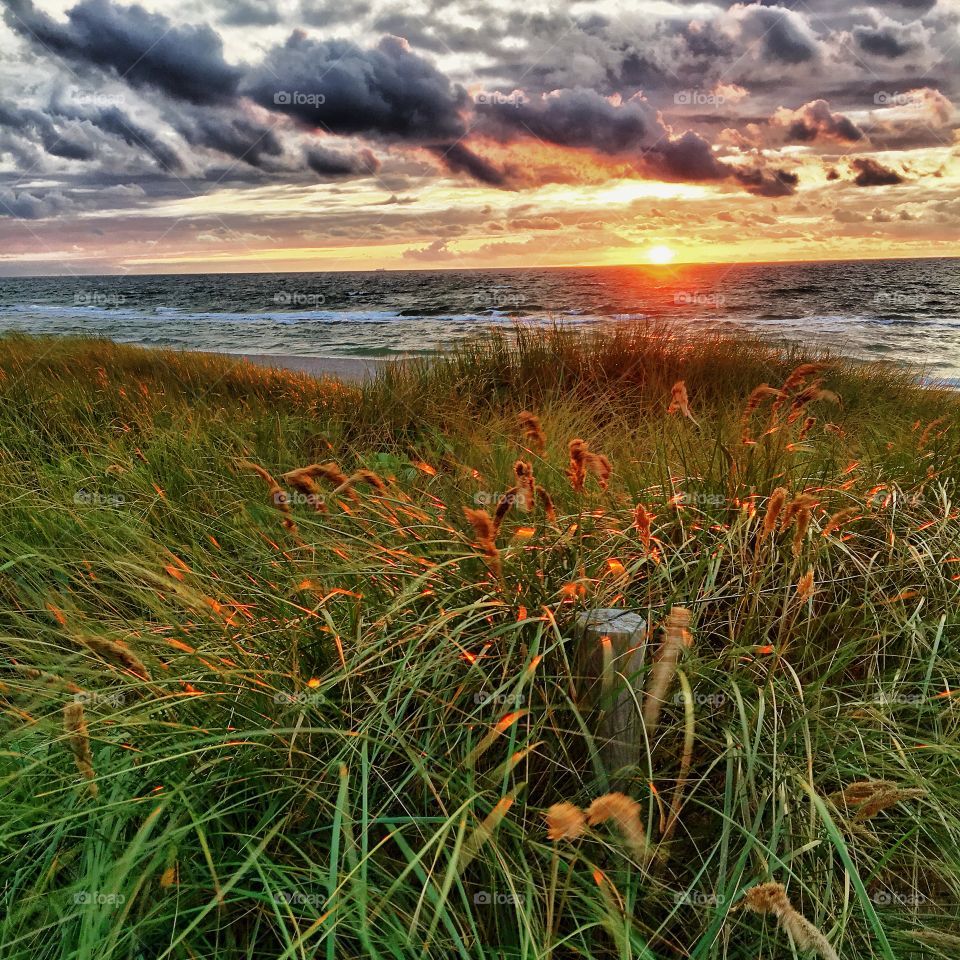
<point x="343" y="368"/>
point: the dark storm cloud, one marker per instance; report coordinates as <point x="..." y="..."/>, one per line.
<point x="204" y="118"/>
<point x="783" y="35"/>
<point x="27" y="205"/>
<point x="114" y="121"/>
<point x="33" y="124"/>
<point x="631" y="131"/>
<point x="145" y="49"/>
<point x="870" y="173"/>
<point x="887" y="41"/>
<point x="460" y="159"/>
<point x="231" y="134"/>
<point x="815" y="121"/>
<point x="388" y="92"/>
<point x="577" y="118"/>
<point x="762" y="183"/>
<point x="333" y="163"/>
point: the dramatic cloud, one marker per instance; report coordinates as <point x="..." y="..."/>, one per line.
<point x="870" y="173"/>
<point x="631" y="130"/>
<point x="782" y="34"/>
<point x="388" y="92"/>
<point x="885" y="42"/>
<point x="145" y="49"/>
<point x="334" y="163"/>
<point x="34" y="124"/>
<point x="814" y="121"/>
<point x="313" y="124"/>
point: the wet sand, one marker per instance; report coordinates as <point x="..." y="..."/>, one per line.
<point x="343" y="368"/>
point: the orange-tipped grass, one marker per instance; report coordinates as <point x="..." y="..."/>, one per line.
<point x="582" y="462"/>
<point x="278" y="496"/>
<point x="871" y="797"/>
<point x="680" y="401"/>
<point x="642" y="520"/>
<point x="811" y="394"/>
<point x="544" y="498"/>
<point x="929" y="431"/>
<point x="330" y="472"/>
<point x="78" y="738"/>
<point x="303" y="482"/>
<point x="838" y="519"/>
<point x="525" y="486"/>
<point x="801" y="502"/>
<point x="801" y="374"/>
<point x="775" y="506"/>
<point x="625" y="815"/>
<point x="565" y="821"/>
<point x="757" y="396"/>
<point x="486" y="532"/>
<point x="533" y="430"/>
<point x="771" y="898"/>
<point x="118" y="655"/>
<point x="806" y="428"/>
<point x="676" y="639"/>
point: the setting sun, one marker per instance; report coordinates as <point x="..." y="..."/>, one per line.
<point x="660" y="254"/>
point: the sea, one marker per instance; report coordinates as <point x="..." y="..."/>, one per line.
<point x="901" y="311"/>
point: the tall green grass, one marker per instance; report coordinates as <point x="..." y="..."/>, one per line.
<point x="349" y="733"/>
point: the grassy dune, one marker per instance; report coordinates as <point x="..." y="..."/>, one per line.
<point x="233" y="731"/>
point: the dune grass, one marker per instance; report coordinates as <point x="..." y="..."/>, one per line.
<point x="224" y="735"/>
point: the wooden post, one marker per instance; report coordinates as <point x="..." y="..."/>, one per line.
<point x="612" y="649"/>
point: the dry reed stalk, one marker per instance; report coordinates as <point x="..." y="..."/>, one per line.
<point x="809" y="395"/>
<point x="774" y="506"/>
<point x="771" y="898"/>
<point x="78" y="737"/>
<point x="874" y="796"/>
<point x="583" y="461"/>
<point x="51" y="679"/>
<point x="533" y="430"/>
<point x="928" y="430"/>
<point x="800" y="529"/>
<point x="371" y="479"/>
<point x="278" y="495"/>
<point x="680" y="401"/>
<point x="839" y="518"/>
<point x="625" y="814"/>
<point x="525" y="486"/>
<point x="360" y="476"/>
<point x="806" y="428"/>
<point x="486" y="532"/>
<point x="577" y="471"/>
<point x="802" y="501"/>
<point x="118" y="654"/>
<point x="565" y="821"/>
<point x="676" y="639"/>
<point x="305" y="484"/>
<point x="329" y="471"/>
<point x="503" y="508"/>
<point x="757" y="396"/>
<point x="641" y="521"/>
<point x="544" y="497"/>
<point x="800" y="375"/>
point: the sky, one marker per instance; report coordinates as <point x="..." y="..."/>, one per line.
<point x="245" y="135"/>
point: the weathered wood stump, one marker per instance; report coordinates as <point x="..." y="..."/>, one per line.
<point x="609" y="659"/>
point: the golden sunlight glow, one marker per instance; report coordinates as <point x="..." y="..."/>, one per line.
<point x="660" y="254"/>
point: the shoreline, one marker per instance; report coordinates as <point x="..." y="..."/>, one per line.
<point x="354" y="369"/>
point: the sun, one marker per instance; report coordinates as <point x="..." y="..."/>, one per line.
<point x="660" y="254"/>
